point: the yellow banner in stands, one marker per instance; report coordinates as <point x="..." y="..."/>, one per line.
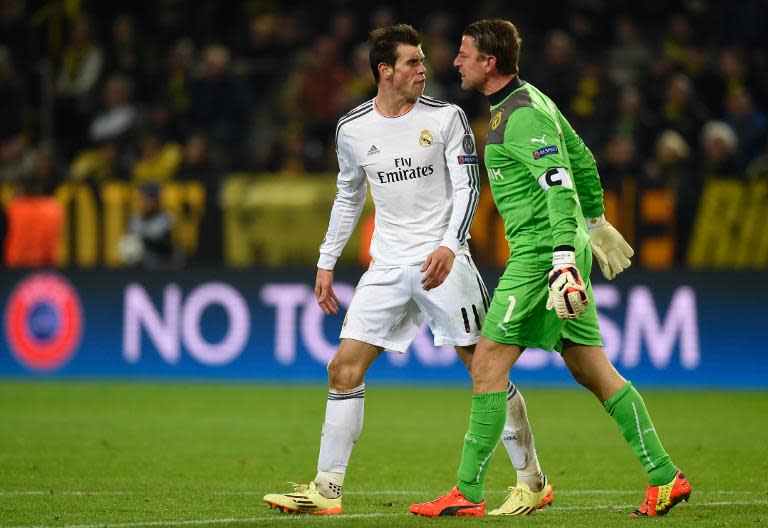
<point x="277" y="220"/>
<point x="730" y="231"/>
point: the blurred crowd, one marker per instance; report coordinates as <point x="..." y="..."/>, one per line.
<point x="668" y="93"/>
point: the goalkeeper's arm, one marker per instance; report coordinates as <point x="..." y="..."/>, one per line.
<point x="610" y="248"/>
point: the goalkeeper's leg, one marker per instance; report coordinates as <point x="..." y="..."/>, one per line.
<point x="517" y="435"/>
<point x="591" y="368"/>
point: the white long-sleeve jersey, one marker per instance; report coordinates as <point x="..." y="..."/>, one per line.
<point x="422" y="168"/>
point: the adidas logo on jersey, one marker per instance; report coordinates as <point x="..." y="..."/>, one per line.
<point x="373" y="150"/>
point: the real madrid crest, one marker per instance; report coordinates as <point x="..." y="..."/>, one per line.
<point x="495" y="120"/>
<point x="426" y="139"/>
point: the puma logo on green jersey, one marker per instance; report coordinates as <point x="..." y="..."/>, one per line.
<point x="537" y="140"/>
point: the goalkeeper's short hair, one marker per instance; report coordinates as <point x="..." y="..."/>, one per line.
<point x="499" y="38"/>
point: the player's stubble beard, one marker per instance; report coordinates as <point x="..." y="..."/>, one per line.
<point x="419" y="89"/>
<point x="416" y="92"/>
<point x="466" y="84"/>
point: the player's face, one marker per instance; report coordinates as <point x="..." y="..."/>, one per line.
<point x="410" y="74"/>
<point x="471" y="65"/>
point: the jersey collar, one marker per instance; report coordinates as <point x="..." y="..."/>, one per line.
<point x="497" y="97"/>
<point x="392" y="116"/>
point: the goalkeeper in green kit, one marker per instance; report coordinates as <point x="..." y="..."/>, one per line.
<point x="544" y="299"/>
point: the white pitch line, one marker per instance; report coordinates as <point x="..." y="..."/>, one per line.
<point x="202" y="522"/>
<point x="331" y="518"/>
<point x="54" y="492"/>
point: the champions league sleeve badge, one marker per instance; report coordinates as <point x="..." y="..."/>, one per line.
<point x="468" y="144"/>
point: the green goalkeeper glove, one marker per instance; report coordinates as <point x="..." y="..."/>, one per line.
<point x="610" y="248"/>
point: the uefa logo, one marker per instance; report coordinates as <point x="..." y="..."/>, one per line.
<point x="43" y="321"/>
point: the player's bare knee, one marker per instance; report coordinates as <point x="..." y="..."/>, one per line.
<point x="585" y="381"/>
<point x="488" y="379"/>
<point x="579" y="374"/>
<point x="589" y="381"/>
<point x="334" y="372"/>
<point x="343" y="375"/>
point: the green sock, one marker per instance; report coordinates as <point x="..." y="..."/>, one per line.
<point x="486" y="422"/>
<point x="628" y="409"/>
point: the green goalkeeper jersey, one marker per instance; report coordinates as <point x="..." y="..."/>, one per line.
<point x="543" y="177"/>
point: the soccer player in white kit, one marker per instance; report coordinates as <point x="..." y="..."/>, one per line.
<point x="418" y="156"/>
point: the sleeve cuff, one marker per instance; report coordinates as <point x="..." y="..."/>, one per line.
<point x="451" y="243"/>
<point x="595" y="222"/>
<point x="326" y="261"/>
<point x="561" y="259"/>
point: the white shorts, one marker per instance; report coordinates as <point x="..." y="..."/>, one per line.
<point x="390" y="306"/>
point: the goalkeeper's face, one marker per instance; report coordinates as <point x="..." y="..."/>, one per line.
<point x="409" y="74"/>
<point x="473" y="66"/>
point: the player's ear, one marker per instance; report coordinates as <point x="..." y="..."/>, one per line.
<point x="490" y="63"/>
<point x="385" y="70"/>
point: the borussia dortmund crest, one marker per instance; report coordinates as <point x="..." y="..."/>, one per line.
<point x="426" y="139"/>
<point x="495" y="121"/>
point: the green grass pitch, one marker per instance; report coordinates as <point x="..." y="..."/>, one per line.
<point x="122" y="455"/>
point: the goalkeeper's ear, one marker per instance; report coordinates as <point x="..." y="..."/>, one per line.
<point x="490" y="64"/>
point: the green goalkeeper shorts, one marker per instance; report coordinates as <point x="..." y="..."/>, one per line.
<point x="518" y="313"/>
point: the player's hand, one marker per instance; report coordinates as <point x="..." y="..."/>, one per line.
<point x="437" y="267"/>
<point x="567" y="294"/>
<point x="326" y="297"/>
<point x="610" y="248"/>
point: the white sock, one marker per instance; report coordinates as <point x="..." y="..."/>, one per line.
<point x="329" y="484"/>
<point x="342" y="427"/>
<point x="518" y="440"/>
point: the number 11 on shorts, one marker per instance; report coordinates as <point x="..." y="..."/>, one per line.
<point x="511" y="307"/>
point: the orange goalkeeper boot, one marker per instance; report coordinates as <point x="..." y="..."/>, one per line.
<point x="452" y="503"/>
<point x="660" y="499"/>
